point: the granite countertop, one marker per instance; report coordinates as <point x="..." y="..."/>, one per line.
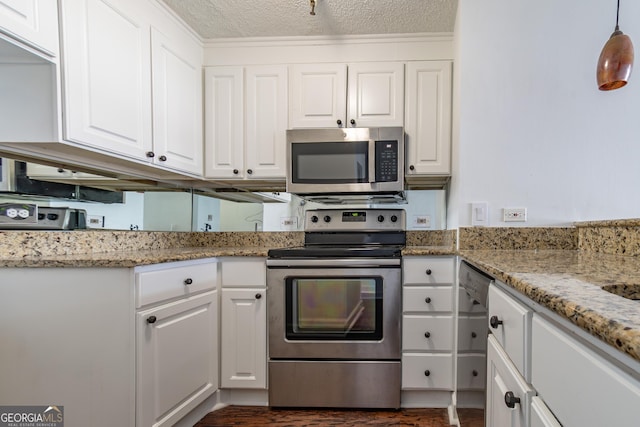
<point x="428" y="250"/>
<point x="124" y="259"/>
<point x="574" y="285"/>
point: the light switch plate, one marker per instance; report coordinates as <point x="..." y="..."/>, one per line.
<point x="480" y="213"/>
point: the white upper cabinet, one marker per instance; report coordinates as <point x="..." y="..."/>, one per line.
<point x="341" y="95"/>
<point x="34" y="22"/>
<point x="376" y="94"/>
<point x="428" y="118"/>
<point x="132" y="83"/>
<point x="318" y="95"/>
<point x="177" y="101"/>
<point x="107" y="75"/>
<point x="245" y="122"/>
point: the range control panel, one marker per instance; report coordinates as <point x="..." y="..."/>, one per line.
<point x="19" y="214"/>
<point x="355" y="220"/>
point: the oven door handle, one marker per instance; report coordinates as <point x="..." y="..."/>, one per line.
<point x="335" y="262"/>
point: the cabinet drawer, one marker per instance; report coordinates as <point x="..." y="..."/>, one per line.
<point x="247" y="273"/>
<point x="581" y="387"/>
<point x="513" y="334"/>
<point x="427" y="371"/>
<point x="173" y="280"/>
<point x="472" y="371"/>
<point x="466" y="304"/>
<point x="472" y="333"/>
<point x="427" y="333"/>
<point x="427" y="270"/>
<point x="426" y="299"/>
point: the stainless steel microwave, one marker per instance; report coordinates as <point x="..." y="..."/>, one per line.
<point x="345" y="160"/>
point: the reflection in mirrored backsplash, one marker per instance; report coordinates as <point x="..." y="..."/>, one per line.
<point x="186" y="210"/>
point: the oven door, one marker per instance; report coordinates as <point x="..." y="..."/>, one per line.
<point x="332" y="311"/>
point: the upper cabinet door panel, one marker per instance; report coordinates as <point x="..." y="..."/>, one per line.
<point x="428" y="117"/>
<point x="107" y="75"/>
<point x="376" y="94"/>
<point x="34" y="22"/>
<point x="224" y="130"/>
<point x="266" y="121"/>
<point x="317" y="95"/>
<point x="177" y="102"/>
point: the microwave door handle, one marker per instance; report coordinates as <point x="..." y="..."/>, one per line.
<point x="372" y="161"/>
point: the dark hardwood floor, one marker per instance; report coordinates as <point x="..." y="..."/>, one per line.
<point x="265" y="416"/>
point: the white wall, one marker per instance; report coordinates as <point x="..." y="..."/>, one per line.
<point x="167" y="211"/>
<point x="531" y="129"/>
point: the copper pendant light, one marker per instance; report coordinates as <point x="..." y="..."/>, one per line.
<point x="616" y="60"/>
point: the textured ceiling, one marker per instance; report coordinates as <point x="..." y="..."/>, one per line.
<point x="269" y="18"/>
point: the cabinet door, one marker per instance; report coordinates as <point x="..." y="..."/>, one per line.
<point x="428" y="118"/>
<point x="34" y="22"/>
<point x="244" y="338"/>
<point x="318" y="95"/>
<point x="376" y="94"/>
<point x="503" y="379"/>
<point x="107" y="75"/>
<point x="266" y="122"/>
<point x="224" y="130"/>
<point x="177" y="102"/>
<point x="541" y="416"/>
<point x="176" y="358"/>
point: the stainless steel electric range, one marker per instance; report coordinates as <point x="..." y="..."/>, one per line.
<point x="334" y="309"/>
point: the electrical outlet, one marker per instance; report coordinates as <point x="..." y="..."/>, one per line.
<point x="514" y="214"/>
<point x="289" y="223"/>
<point x="421" y="221"/>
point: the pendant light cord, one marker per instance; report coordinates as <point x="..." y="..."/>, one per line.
<point x="617" y="15"/>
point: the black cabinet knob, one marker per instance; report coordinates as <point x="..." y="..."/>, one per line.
<point x="510" y="399"/>
<point x="428" y="272"/>
<point x="151" y="319"/>
<point x="353" y="122"/>
<point x="249" y="171"/>
<point x="163" y="158"/>
<point x="339" y="122"/>
<point x="188" y="281"/>
<point x="258" y="296"/>
<point x="495" y="322"/>
<point x="150" y="154"/>
<point x="427" y="334"/>
<point x="427" y="300"/>
<point x="474" y="373"/>
<point x="427" y="373"/>
<point x="60" y="170"/>
<point x="473" y="335"/>
<point x="411" y="167"/>
<point x="236" y="171"/>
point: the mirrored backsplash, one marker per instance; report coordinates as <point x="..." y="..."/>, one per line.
<point x="189" y="210"/>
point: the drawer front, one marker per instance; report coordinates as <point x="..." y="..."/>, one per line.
<point x="472" y="371"/>
<point x="513" y="333"/>
<point x="244" y="273"/>
<point x="575" y="381"/>
<point x="472" y="333"/>
<point x="175" y="281"/>
<point x="427" y="333"/>
<point x="427" y="371"/>
<point x="425" y="299"/>
<point x="466" y="304"/>
<point x="427" y="270"/>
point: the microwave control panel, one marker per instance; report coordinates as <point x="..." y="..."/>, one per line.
<point x="386" y="161"/>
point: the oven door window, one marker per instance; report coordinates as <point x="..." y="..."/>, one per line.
<point x="330" y="162"/>
<point x="336" y="308"/>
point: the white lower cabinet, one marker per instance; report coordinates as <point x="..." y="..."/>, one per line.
<point x="142" y="341"/>
<point x="581" y="386"/>
<point x="427" y="323"/>
<point x="243" y="337"/>
<point x="508" y="393"/>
